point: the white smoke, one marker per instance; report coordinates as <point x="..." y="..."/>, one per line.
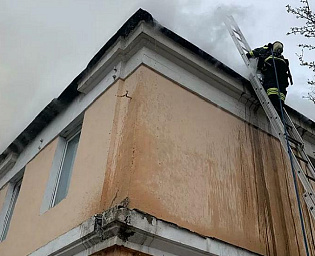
<point x="201" y="22"/>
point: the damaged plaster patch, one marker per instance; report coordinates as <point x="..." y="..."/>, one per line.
<point x="149" y="218"/>
<point x="125" y="234"/>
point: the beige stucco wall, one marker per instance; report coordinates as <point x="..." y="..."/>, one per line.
<point x="176" y="157"/>
<point x="29" y="230"/>
<point x="189" y="162"/>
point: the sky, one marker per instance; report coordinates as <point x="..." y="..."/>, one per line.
<point x="45" y="44"/>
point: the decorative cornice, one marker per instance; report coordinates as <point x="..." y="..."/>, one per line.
<point x="138" y="231"/>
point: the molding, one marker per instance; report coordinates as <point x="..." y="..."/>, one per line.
<point x="160" y="45"/>
<point x="138" y="231"/>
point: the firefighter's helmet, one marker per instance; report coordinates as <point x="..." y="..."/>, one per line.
<point x="277" y="47"/>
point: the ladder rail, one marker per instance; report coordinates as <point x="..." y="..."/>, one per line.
<point x="233" y="23"/>
<point x="309" y="195"/>
<point x="309" y="200"/>
<point x="289" y="121"/>
<point x="230" y="23"/>
<point x="309" y="165"/>
<point x="267" y="105"/>
<point x="303" y="178"/>
<point x="300" y="149"/>
<point x="260" y="91"/>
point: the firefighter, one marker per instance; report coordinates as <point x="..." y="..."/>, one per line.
<point x="267" y="56"/>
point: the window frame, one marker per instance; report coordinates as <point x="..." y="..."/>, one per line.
<point x="56" y="169"/>
<point x="66" y="143"/>
<point x="9" y="204"/>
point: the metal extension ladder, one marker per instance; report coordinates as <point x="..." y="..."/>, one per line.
<point x="287" y="132"/>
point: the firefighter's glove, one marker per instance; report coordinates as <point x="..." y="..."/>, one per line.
<point x="248" y="55"/>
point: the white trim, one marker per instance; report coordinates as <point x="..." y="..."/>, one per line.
<point x="55" y="171"/>
<point x="71" y="136"/>
<point x="138" y="231"/>
<point x="53" y="176"/>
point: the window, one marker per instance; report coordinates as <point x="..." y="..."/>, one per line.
<point x="65" y="171"/>
<point x="8" y="207"/>
<point x="61" y="171"/>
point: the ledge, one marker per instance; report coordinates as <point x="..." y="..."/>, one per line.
<point x="138" y="231"/>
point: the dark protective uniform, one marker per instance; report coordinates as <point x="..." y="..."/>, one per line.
<point x="266" y="66"/>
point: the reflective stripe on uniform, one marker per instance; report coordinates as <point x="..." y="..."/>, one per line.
<point x="275" y="91"/>
<point x="251" y="53"/>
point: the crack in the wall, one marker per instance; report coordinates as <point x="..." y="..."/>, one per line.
<point x="125" y="95"/>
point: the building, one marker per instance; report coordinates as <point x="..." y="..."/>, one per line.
<point x="156" y="148"/>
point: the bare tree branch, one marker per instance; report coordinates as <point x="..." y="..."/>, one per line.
<point x="311" y="95"/>
<point x="308" y="30"/>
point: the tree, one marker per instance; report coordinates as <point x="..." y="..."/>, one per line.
<point x="307" y="30"/>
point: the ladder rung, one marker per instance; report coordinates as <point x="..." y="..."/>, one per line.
<point x="309" y="177"/>
<point x="245" y="49"/>
<point x="289" y="126"/>
<point x="236" y="32"/>
<point x="302" y="159"/>
<point x="239" y="33"/>
<point x="294" y="141"/>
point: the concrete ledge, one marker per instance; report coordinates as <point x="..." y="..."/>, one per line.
<point x="138" y="231"/>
